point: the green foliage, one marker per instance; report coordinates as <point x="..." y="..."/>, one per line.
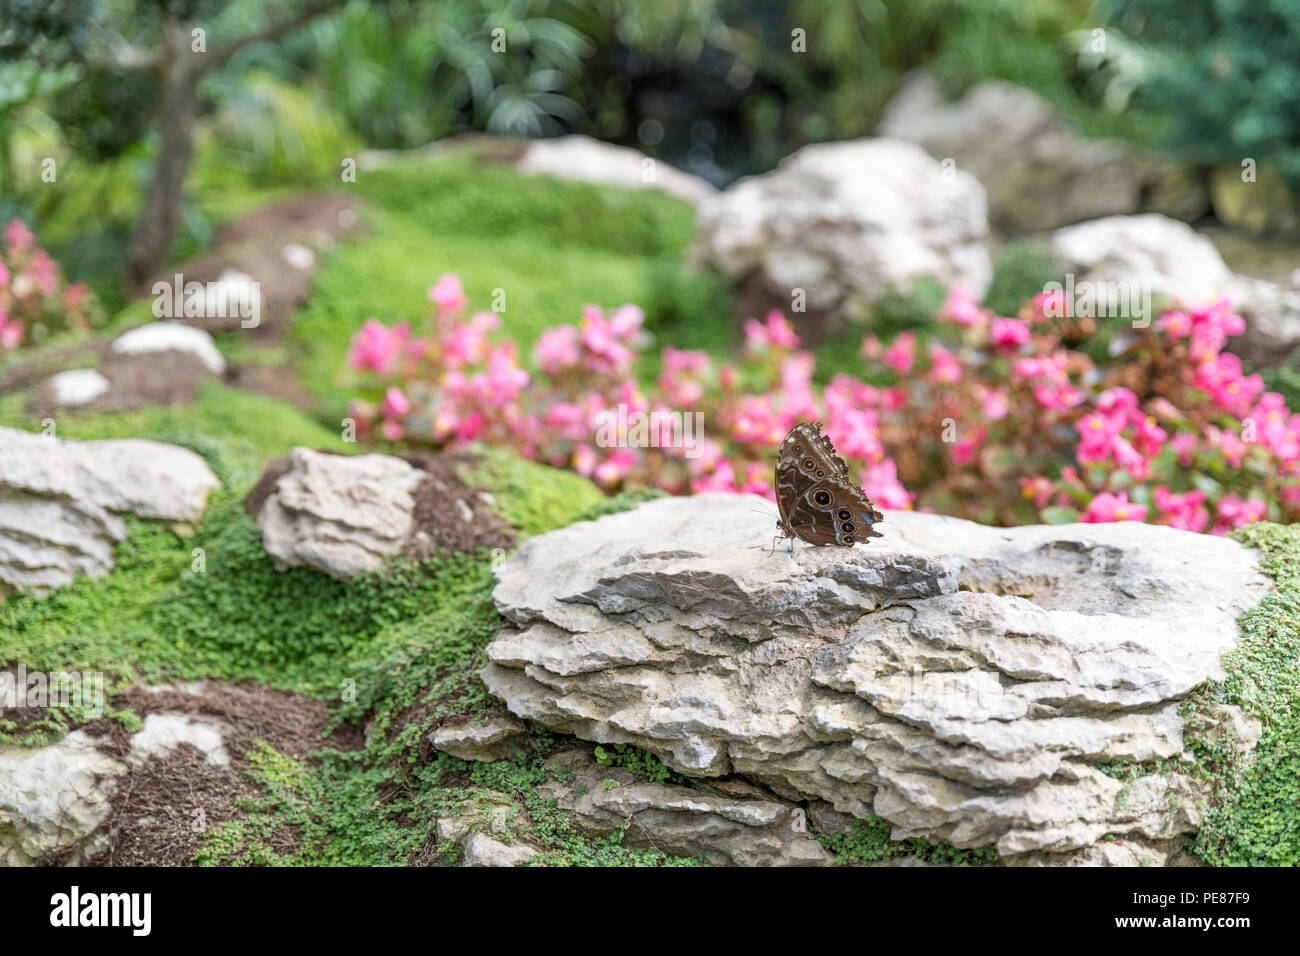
<point x="497" y="230"/>
<point x="272" y="133"/>
<point x="1224" y="72"/>
<point x="1253" y="817"/>
<point x="640" y="763"/>
<point x="869" y="843"/>
<point x="1023" y="268"/>
<point x="532" y="497"/>
<point x="249" y="428"/>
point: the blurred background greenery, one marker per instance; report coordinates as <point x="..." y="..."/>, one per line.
<point x="720" y="88"/>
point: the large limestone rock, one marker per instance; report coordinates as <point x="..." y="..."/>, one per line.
<point x="846" y="222"/>
<point x="61" y="501"/>
<point x="965" y="683"/>
<point x="1039" y="173"/>
<point x="589" y="160"/>
<point x="725" y="830"/>
<point x="1178" y="263"/>
<point x="339" y="514"/>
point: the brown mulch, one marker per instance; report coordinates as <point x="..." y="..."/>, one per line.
<point x="254" y="245"/>
<point x="152" y="821"/>
<point x="449" y="515"/>
<point x="169" y="377"/>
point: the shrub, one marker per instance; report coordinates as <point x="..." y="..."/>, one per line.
<point x="996" y="419"/>
<point x="34" y="300"/>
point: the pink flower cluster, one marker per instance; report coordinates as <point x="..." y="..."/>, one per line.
<point x="989" y="417"/>
<point x="33" y="299"/>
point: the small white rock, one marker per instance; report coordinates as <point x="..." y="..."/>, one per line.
<point x="482" y="850"/>
<point x="298" y="256"/>
<point x="166" y="336"/>
<point x="78" y="386"/>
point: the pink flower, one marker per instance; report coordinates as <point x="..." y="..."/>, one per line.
<point x="944" y="367"/>
<point x="1037" y="489"/>
<point x="377" y="347"/>
<point x="11" y="332"/>
<point x="963" y="451"/>
<point x="1184" y="511"/>
<point x="901" y="354"/>
<point x="396" y="404"/>
<point x="18" y="237"/>
<point x="557" y="349"/>
<point x="1107" y="507"/>
<point x="625" y="322"/>
<point x="447" y="293"/>
<point x="1235" y="512"/>
<point x="722" y="478"/>
<point x="392" y="430"/>
<point x="960" y="307"/>
<point x="1008" y="335"/>
<point x="1177" y="325"/>
<point x="994" y="402"/>
<point x="605" y="352"/>
<point x="776" y="333"/>
<point x="880" y="482"/>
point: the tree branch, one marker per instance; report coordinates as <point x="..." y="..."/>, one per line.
<point x="272" y="32"/>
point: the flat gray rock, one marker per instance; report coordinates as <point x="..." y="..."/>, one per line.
<point x="683" y="821"/>
<point x="61" y="502"/>
<point x="965" y="683"/>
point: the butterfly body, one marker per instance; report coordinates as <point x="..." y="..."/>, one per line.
<point x="818" y="501"/>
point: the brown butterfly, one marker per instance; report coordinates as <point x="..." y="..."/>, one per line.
<point x="819" y="503"/>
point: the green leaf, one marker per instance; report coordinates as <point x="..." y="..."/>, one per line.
<point x="1058" y="514"/>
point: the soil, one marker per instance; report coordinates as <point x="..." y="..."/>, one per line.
<point x="152" y="820"/>
<point x="449" y="515"/>
<point x="254" y="245"/>
<point x="169" y="377"/>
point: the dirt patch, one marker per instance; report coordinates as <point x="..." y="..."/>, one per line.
<point x="29" y="368"/>
<point x="169" y="377"/>
<point x="277" y="381"/>
<point x="153" y="820"/>
<point x="261" y="246"/>
<point x="449" y="515"/>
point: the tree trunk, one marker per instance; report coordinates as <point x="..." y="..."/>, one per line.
<point x="151" y="242"/>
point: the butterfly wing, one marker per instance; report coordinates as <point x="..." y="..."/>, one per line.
<point x="818" y="502"/>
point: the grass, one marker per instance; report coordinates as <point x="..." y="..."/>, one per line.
<point x="550" y="246"/>
<point x="1253" y="816"/>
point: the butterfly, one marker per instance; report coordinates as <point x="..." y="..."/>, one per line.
<point x="818" y="502"/>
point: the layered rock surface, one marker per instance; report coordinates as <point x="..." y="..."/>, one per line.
<point x="61" y="502"/>
<point x="967" y="684"/>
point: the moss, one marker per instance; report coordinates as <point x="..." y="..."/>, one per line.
<point x="532" y="497"/>
<point x="1023" y="268"/>
<point x="1253" y="815"/>
<point x="242" y="428"/>
<point x="869" y="843"/>
<point x="551" y="246"/>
